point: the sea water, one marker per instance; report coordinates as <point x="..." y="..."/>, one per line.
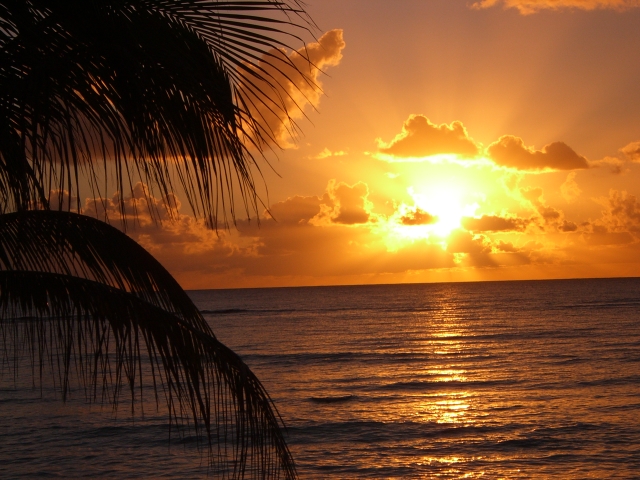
<point x="535" y="379"/>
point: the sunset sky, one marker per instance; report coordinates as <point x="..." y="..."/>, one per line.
<point x="452" y="141"/>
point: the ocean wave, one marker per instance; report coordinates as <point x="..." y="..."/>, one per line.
<point x="444" y="385"/>
<point x="596" y="305"/>
<point x="380" y="432"/>
<point x="333" y="399"/>
<point x="228" y="311"/>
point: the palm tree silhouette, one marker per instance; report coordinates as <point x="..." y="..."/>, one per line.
<point x="161" y="91"/>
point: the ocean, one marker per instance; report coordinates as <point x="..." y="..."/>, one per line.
<point x="529" y="379"/>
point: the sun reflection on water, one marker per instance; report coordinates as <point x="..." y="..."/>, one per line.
<point x="444" y="408"/>
<point x="446" y="331"/>
<point x="448" y="375"/>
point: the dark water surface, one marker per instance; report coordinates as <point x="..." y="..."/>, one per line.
<point x="490" y="380"/>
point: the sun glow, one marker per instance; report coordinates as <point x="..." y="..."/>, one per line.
<point x="434" y="214"/>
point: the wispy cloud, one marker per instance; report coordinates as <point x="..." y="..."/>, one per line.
<point x="326" y="153"/>
<point x="527" y="7"/>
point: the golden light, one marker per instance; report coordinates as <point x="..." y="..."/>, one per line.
<point x="434" y="215"/>
<point x="444" y="202"/>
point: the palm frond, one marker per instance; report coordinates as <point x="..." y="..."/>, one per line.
<point x="90" y="305"/>
<point x="81" y="246"/>
<point x="142" y="89"/>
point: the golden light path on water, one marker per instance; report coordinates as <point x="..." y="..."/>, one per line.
<point x="451" y="407"/>
<point x="513" y="380"/>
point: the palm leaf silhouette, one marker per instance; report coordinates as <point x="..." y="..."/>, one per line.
<point x="93" y="304"/>
<point x="103" y="94"/>
<point x="143" y="88"/>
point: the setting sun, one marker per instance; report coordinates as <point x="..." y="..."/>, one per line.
<point x="434" y="214"/>
<point x="407" y="231"/>
<point x="446" y="204"/>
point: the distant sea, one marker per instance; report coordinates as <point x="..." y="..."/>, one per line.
<point x="531" y="379"/>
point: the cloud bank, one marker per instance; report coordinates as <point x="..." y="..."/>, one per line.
<point x="338" y="236"/>
<point x="420" y="139"/>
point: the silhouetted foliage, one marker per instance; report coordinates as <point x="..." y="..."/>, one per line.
<point x="157" y="90"/>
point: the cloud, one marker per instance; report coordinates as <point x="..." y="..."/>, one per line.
<point x="527" y="7"/>
<point x="614" y="164"/>
<point x="494" y="223"/>
<point x="141" y="207"/>
<point x="337" y="237"/>
<point x="61" y="200"/>
<point x="621" y="214"/>
<point x="299" y="79"/>
<point x="418" y="217"/>
<point x="345" y="204"/>
<point x="295" y="209"/>
<point x="550" y="219"/>
<point x="599" y="239"/>
<point x="531" y="252"/>
<point x="464" y="242"/>
<point x="421" y="138"/>
<point x="569" y="189"/>
<point x="470" y="250"/>
<point x="549" y="214"/>
<point x="568" y="226"/>
<point x="506" y="247"/>
<point x="340" y="204"/>
<point x="159" y="226"/>
<point x="510" y="151"/>
<point x="326" y="153"/>
<point x="632" y="151"/>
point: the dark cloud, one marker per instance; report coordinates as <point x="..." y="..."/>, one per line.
<point x="464" y="242"/>
<point x="567" y="226"/>
<point x="295" y="209"/>
<point x="549" y="214"/>
<point x="494" y="223"/>
<point x="418" y="217"/>
<point x="421" y="138"/>
<point x="506" y="247"/>
<point x="476" y="248"/>
<point x="508" y="254"/>
<point x="510" y="151"/>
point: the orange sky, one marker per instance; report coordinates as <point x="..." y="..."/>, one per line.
<point x="454" y="141"/>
